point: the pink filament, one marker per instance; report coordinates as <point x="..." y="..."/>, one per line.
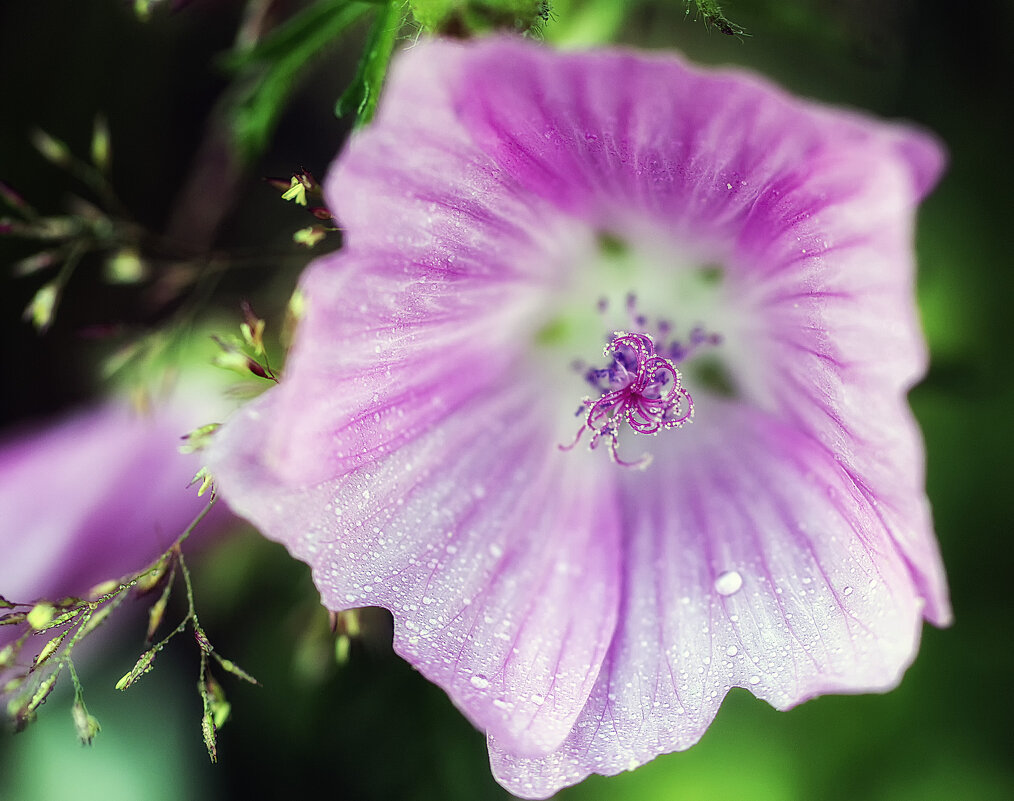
<point x="640" y="401"/>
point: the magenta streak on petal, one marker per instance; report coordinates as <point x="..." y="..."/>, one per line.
<point x="380" y="359"/>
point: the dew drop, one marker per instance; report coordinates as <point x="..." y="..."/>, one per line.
<point x="847" y="591"/>
<point x="480" y="682"/>
<point x="732" y="650"/>
<point x="728" y="583"/>
<point x="755" y="679"/>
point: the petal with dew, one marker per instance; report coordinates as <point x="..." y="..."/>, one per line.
<point x="811" y="206"/>
<point x="752" y="560"/>
<point x="383" y="354"/>
<point x="478" y="544"/>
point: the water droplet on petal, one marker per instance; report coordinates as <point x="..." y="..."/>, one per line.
<point x="728" y="583"/>
<point x="755" y="679"/>
<point x="847" y="591"/>
<point x="479" y="682"/>
<point x="732" y="650"/>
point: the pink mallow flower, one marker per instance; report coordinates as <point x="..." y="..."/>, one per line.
<point x="95" y="497"/>
<point x="752" y="511"/>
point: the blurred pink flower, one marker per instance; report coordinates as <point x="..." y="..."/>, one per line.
<point x="95" y="496"/>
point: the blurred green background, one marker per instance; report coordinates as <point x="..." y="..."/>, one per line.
<point x="373" y="729"/>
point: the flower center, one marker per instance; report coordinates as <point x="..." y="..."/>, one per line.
<point x="640" y="388"/>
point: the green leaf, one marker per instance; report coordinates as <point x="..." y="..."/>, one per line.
<point x="43" y="690"/>
<point x="6" y="656"/>
<point x="42" y="306"/>
<point x="208" y="731"/>
<point x="85" y="724"/>
<point x="208" y="728"/>
<point x="235" y="669"/>
<point x="58" y="620"/>
<point x="101" y="149"/>
<point x="52" y="149"/>
<point x="40" y="616"/>
<point x="364" y="91"/>
<point x="272" y="69"/>
<point x="49" y="649"/>
<point x="142" y="666"/>
<point x="93" y="621"/>
<point x="218" y="705"/>
<point x="287" y="36"/>
<point x="156" y="613"/>
<point x="470" y="17"/>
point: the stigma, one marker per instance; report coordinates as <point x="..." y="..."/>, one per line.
<point x="640" y="390"/>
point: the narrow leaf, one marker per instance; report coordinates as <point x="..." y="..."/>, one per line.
<point x="235" y="669"/>
<point x="262" y="99"/>
<point x="40" y="615"/>
<point x="208" y="731"/>
<point x="48" y="649"/>
<point x="364" y="91"/>
<point x="142" y="666"/>
<point x="87" y="726"/>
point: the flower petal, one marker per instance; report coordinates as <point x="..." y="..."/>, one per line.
<point x="621" y="135"/>
<point x="478" y="535"/>
<point x="752" y="560"/>
<point x="92" y="498"/>
<point x="382" y="354"/>
<point x="835" y="342"/>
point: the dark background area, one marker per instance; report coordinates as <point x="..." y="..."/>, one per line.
<point x="373" y="729"/>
